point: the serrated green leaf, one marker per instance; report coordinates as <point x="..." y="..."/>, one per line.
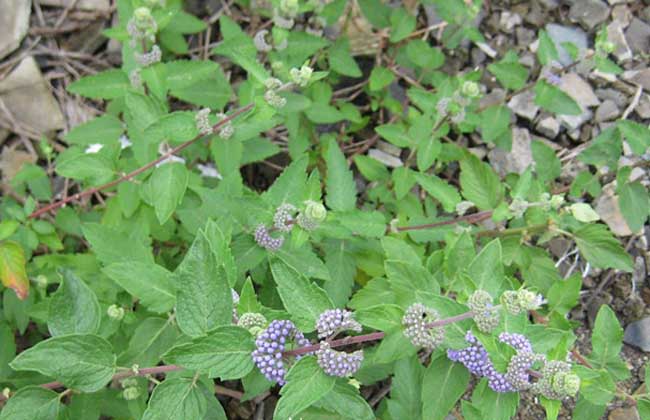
<point x="634" y="203"/>
<point x="495" y="122"/>
<point x="306" y="384"/>
<point x="447" y="195"/>
<point x="168" y="184"/>
<point x="111" y="245"/>
<point x="82" y="362"/>
<point x="345" y="400"/>
<point x="402" y="23"/>
<point x="177" y="127"/>
<point x="546" y="51"/>
<point x="341" y="60"/>
<point x="148" y="282"/>
<point x="444" y="382"/>
<point x="225" y="353"/>
<point x="486" y="269"/>
<point x="511" y="75"/>
<point x="480" y="184"/>
<point x="339" y="182"/>
<point x="103" y="130"/>
<point x="636" y="135"/>
<point x="606" y="338"/>
<point x="551" y="98"/>
<point x="109" y="84"/>
<point x="371" y="169"/>
<point x="150" y="340"/>
<point x="304" y="300"/>
<point x="289" y="186"/>
<point x="73" y="308"/>
<point x="176" y="398"/>
<point x="380" y="77"/>
<point x="423" y="55"/>
<point x="547" y="165"/>
<point x="601" y="249"/>
<point x="32" y="403"/>
<point x="370" y="224"/>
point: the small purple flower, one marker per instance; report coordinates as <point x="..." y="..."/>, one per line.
<point x="338" y="363"/>
<point x="415" y="320"/>
<point x="265" y="240"/>
<point x="283" y="218"/>
<point x="333" y="321"/>
<point x="271" y="343"/>
<point x="518" y="369"/>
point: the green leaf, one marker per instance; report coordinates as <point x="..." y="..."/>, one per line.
<point x="82" y="362"/>
<point x="370" y="168"/>
<point x="94" y="167"/>
<point x="596" y="386"/>
<point x="480" y="184"/>
<point x="204" y="299"/>
<point x="322" y="113"/>
<point x="406" y="388"/>
<point x="341" y="60"/>
<point x="370" y="224"/>
<point x="553" y="99"/>
<point x="12" y="268"/>
<point x="32" y="403"/>
<point x="304" y="261"/>
<point x="486" y="269"/>
<point x="546" y="51"/>
<point x="213" y="92"/>
<point x="377" y="13"/>
<point x="304" y="300"/>
<point x="636" y="135"/>
<point x="150" y="340"/>
<point x="289" y="187"/>
<point x="381" y="317"/>
<point x="547" y="165"/>
<point x="241" y="50"/>
<point x="601" y="249"/>
<point x="510" y="74"/>
<point x="605" y="149"/>
<point x="563" y="295"/>
<point x="585" y="410"/>
<point x="149" y="282"/>
<point x="103" y="130"/>
<point x="176" y="398"/>
<point x="185" y="73"/>
<point x="395" y="134"/>
<point x="443" y="384"/>
<point x="177" y="127"/>
<point x="606" y="338"/>
<point x="428" y="149"/>
<point x="112" y="246"/>
<point x="225" y="353"/>
<point x="109" y="84"/>
<point x="144" y="110"/>
<point x="380" y="77"/>
<point x="634" y="203"/>
<point x="74" y="308"/>
<point x="339" y="183"/>
<point x="423" y="55"/>
<point x="495" y="122"/>
<point x="345" y="400"/>
<point x="494" y="405"/>
<point x="306" y="384"/>
<point x="168" y="184"/>
<point x="643" y="407"/>
<point x="447" y="195"/>
<point x="402" y="23"/>
<point x="342" y="267"/>
<point x="583" y="212"/>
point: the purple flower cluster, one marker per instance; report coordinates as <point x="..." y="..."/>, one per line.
<point x="334" y="321"/>
<point x="518" y="369"/>
<point x="265" y="240"/>
<point x="270" y="345"/>
<point x="518" y="342"/>
<point x="338" y="363"/>
<point x="415" y="321"/>
<point x="475" y="359"/>
<point x="486" y="315"/>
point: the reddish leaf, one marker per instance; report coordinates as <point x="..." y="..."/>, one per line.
<point x="12" y="268"/>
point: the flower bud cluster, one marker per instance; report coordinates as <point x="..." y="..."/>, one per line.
<point x="131" y="390"/>
<point x="338" y="363"/>
<point x="265" y="240"/>
<point x="475" y="358"/>
<point x="115" y="312"/>
<point x="333" y="321"/>
<point x="269" y="347"/>
<point x="520" y="301"/>
<point x="517" y="373"/>
<point x="313" y="214"/>
<point x="486" y="315"/>
<point x="202" y="119"/>
<point x="271" y="95"/>
<point x="557" y="381"/>
<point x="253" y="322"/>
<point x="301" y="76"/>
<point x="283" y="218"/>
<point x="148" y="58"/>
<point x="415" y="321"/>
<point x="226" y="130"/>
<point x="141" y="26"/>
<point x="260" y="41"/>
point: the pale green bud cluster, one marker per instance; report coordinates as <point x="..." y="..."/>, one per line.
<point x="142" y="26"/>
<point x="252" y="322"/>
<point x="115" y="312"/>
<point x="41" y="281"/>
<point x="557" y="380"/>
<point x="301" y="76"/>
<point x="566" y="383"/>
<point x="271" y="96"/>
<point x="470" y="89"/>
<point x="131" y="393"/>
<point x="289" y="8"/>
<point x="486" y="315"/>
<point x="522" y="300"/>
<point x="313" y="214"/>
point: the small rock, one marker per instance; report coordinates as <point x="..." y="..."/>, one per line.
<point x="385" y="158"/>
<point x="616" y="36"/>
<point x="478" y="57"/>
<point x="28" y="98"/>
<point x="11" y="161"/>
<point x="550" y="4"/>
<point x="548" y="127"/>
<point x="525" y="36"/>
<point x="637" y="334"/>
<point x="643" y="108"/>
<point x="619" y="98"/>
<point x="561" y="34"/>
<point x="523" y="105"/>
<point x="630" y="413"/>
<point x="391" y="149"/>
<point x="99" y="5"/>
<point x="509" y="20"/>
<point x="613" y="2"/>
<point x="608" y="210"/>
<point x="519" y="157"/>
<point x="638" y="77"/>
<point x="622" y="15"/>
<point x="14" y="21"/>
<point x="589" y="13"/>
<point x="579" y="90"/>
<point x="607" y="111"/>
<point x="495" y="97"/>
<point x="638" y="36"/>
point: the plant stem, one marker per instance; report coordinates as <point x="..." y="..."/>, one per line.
<point x="514" y="231"/>
<point x="126" y="177"/>
<point x="470" y="218"/>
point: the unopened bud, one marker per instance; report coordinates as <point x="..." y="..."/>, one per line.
<point x="131" y="393"/>
<point x="115" y="312"/>
<point x="470" y="89"/>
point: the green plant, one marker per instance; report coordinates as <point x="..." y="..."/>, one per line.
<point x="146" y="254"/>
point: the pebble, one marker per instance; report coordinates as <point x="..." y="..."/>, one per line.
<point x="630" y="413"/>
<point x="616" y="36"/>
<point x="579" y="90"/>
<point x="638" y="77"/>
<point x="517" y="159"/>
<point x="637" y="334"/>
<point x="589" y="13"/>
<point x="643" y="108"/>
<point x="548" y="127"/>
<point x="99" y="5"/>
<point x="28" y="98"/>
<point x="607" y="111"/>
<point x="523" y="105"/>
<point x="561" y="34"/>
<point x="638" y="36"/>
<point x="383" y="157"/>
<point x="509" y="20"/>
<point x="14" y="21"/>
<point x="622" y="15"/>
<point x="619" y="98"/>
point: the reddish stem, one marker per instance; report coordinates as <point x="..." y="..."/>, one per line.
<point x="93" y="190"/>
<point x="470" y="218"/>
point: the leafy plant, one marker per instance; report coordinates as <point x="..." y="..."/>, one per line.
<point x="184" y="269"/>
